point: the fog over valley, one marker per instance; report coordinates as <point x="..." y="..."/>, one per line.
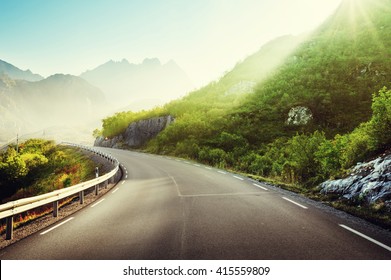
<point x="67" y="107"/>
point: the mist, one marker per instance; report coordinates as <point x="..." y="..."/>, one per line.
<point x="61" y="107"/>
<point x="68" y="108"/>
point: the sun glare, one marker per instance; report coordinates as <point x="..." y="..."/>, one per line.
<point x="359" y="14"/>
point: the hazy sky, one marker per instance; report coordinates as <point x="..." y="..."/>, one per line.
<point x="205" y="37"/>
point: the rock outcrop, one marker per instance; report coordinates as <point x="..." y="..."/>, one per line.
<point x="369" y="182"/>
<point x="137" y="133"/>
<point x="299" y="116"/>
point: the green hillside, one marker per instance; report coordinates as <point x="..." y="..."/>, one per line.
<point x="333" y="79"/>
<point x="333" y="73"/>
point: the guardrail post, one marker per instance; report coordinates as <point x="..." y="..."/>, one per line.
<point x="55" y="208"/>
<point x="9" y="228"/>
<point x="81" y="197"/>
<point x="96" y="176"/>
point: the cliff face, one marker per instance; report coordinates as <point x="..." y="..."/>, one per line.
<point x="137" y="134"/>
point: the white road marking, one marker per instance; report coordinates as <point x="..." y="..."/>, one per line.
<point x="209" y="168"/>
<point x="302" y="206"/>
<point x="92" y="206"/>
<point x="222" y="172"/>
<point x="197" y="165"/>
<point x="123" y="182"/>
<point x="115" y="190"/>
<point x="177" y="160"/>
<point x="258" y="186"/>
<point x="366" y="237"/>
<point x="187" y="162"/>
<point x="176" y="185"/>
<point x="239" y="178"/>
<point x="56" y="226"/>
<point x="126" y="177"/>
<point x="219" y="194"/>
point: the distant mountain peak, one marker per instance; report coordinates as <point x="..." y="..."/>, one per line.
<point x="125" y="61"/>
<point x="18" y="74"/>
<point x="152" y="62"/>
<point x="127" y="83"/>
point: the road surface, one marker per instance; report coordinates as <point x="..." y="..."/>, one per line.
<point x="166" y="208"/>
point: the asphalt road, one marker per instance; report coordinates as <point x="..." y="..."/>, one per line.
<point x="167" y="208"/>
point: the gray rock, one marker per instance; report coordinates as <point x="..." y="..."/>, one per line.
<point x="299" y="116"/>
<point x="136" y="134"/>
<point x="369" y="182"/>
<point x="139" y="133"/>
<point x="241" y="88"/>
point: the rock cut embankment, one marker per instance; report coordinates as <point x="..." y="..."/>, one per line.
<point x="137" y="134"/>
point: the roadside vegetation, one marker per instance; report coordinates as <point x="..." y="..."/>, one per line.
<point x="39" y="166"/>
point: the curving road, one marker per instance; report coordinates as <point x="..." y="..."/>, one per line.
<point x="171" y="209"/>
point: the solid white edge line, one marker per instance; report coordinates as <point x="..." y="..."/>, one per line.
<point x="56" y="226"/>
<point x="92" y="206"/>
<point x="237" y="177"/>
<point x="302" y="206"/>
<point x="115" y="190"/>
<point x="258" y="186"/>
<point x="366" y="237"/>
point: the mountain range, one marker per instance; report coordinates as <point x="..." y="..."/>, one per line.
<point x="30" y="103"/>
<point x="130" y="86"/>
<point x="16" y="73"/>
<point x="57" y="101"/>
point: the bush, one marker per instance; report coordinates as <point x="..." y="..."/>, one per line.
<point x="214" y="157"/>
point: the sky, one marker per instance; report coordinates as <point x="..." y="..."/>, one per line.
<point x="205" y="37"/>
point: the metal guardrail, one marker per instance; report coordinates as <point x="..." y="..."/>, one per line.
<point x="12" y="208"/>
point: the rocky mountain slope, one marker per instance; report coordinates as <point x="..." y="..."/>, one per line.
<point x="16" y="73"/>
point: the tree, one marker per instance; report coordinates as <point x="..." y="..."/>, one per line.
<point x="380" y="123"/>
